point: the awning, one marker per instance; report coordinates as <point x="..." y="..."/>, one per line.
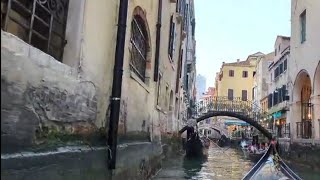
<point x="236" y="122"/>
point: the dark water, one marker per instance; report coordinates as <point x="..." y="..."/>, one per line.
<point x="221" y="163"/>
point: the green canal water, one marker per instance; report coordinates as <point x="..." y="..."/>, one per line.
<point x="221" y="164"/>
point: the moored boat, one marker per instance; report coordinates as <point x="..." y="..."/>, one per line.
<point x="195" y="147"/>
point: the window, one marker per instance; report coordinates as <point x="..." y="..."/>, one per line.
<point x="275" y="52"/>
<point x="271" y="77"/>
<point x="230" y="94"/>
<point x="281" y="68"/>
<point x="270" y="98"/>
<point x="159" y="88"/>
<point x="276" y="72"/>
<point x="231" y="73"/>
<point x="245" y="74"/>
<point x="279" y="48"/>
<point x="139" y="47"/>
<point x="244" y="95"/>
<point x="171" y="46"/>
<point x="41" y="24"/>
<point x="285" y="65"/>
<point x="253" y="90"/>
<point x="254" y="73"/>
<point x="303" y="26"/>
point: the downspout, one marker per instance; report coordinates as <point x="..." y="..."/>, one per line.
<point x="156" y="60"/>
<point x="117" y="83"/>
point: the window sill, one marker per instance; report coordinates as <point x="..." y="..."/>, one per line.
<point x="139" y="81"/>
<point x="160" y="109"/>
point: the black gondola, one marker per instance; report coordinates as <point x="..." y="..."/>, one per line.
<point x="260" y="170"/>
<point x="195" y="147"/>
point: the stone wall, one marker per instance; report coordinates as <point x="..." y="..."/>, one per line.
<point x="134" y="161"/>
<point x="40" y="95"/>
<point x="304" y="154"/>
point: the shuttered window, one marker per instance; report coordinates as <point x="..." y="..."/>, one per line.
<point x="231" y="73"/>
<point x="245" y="74"/>
<point x="244" y="96"/>
<point x="230" y="94"/>
<point x="303" y="22"/>
<point x="171" y="46"/>
<point x="285" y="65"/>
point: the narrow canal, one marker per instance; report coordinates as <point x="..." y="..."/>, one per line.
<point x="221" y="163"/>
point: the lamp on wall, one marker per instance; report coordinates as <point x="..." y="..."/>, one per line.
<point x="309" y="115"/>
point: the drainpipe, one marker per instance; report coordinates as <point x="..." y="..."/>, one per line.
<point x="156" y="60"/>
<point x="117" y="83"/>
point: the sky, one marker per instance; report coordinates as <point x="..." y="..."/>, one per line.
<point x="227" y="30"/>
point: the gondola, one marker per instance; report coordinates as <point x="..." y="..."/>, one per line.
<point x="195" y="145"/>
<point x="270" y="167"/>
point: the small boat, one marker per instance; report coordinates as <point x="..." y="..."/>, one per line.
<point x="223" y="141"/>
<point x="196" y="146"/>
<point x="270" y="167"/>
<point x="251" y="151"/>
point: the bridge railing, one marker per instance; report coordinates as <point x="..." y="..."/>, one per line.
<point x="236" y="104"/>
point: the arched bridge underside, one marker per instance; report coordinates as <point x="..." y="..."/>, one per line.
<point x="226" y="106"/>
<point x="240" y="116"/>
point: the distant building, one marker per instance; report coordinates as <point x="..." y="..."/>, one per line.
<point x="201" y="85"/>
<point x="262" y="81"/>
<point x="235" y="79"/>
<point x="277" y="91"/>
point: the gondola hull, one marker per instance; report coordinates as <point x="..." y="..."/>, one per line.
<point x="196" y="147"/>
<point x="262" y="171"/>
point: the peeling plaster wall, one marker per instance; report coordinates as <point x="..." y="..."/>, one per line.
<point x="37" y="91"/>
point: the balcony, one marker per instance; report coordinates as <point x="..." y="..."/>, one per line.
<point x="284" y="131"/>
<point x="304" y="129"/>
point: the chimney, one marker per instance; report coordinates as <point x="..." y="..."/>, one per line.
<point x="238" y="60"/>
<point x="223" y="62"/>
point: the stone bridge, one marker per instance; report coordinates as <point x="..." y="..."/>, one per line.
<point x="233" y="107"/>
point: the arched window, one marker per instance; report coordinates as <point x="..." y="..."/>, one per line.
<point x="139" y="41"/>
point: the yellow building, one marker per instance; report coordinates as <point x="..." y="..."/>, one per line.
<point x="235" y="79"/>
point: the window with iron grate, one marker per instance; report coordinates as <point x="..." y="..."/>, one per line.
<point x="139" y="47"/>
<point x="40" y="23"/>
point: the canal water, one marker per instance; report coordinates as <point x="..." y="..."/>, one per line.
<point x="221" y="163"/>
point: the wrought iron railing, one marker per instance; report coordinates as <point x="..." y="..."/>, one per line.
<point x="304" y="129"/>
<point x="41" y="23"/>
<point x="284" y="131"/>
<point x="236" y="105"/>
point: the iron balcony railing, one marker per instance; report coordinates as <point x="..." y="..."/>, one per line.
<point x="284" y="131"/>
<point x="40" y="23"/>
<point x="304" y="129"/>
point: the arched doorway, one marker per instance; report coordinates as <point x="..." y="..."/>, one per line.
<point x="316" y="101"/>
<point x="302" y="113"/>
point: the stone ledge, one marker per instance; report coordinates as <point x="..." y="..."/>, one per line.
<point x="134" y="160"/>
<point x="18" y="47"/>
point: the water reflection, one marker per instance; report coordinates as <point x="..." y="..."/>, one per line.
<point x="221" y="163"/>
<point x="192" y="166"/>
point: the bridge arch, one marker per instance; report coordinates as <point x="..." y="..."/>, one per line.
<point x="245" y="118"/>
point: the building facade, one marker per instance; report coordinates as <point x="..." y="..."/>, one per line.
<point x="200" y="85"/>
<point x="57" y="70"/>
<point x="304" y="72"/>
<point x="236" y="79"/>
<point x="261" y="79"/>
<point x="278" y="91"/>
